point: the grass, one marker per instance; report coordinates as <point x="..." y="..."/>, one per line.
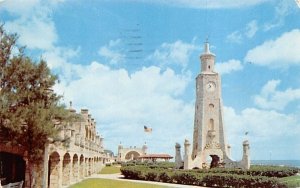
<point x="110" y="170"/>
<point x="292" y="181"/>
<point x="107" y="183"/>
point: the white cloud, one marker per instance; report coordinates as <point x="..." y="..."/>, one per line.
<point x="123" y="103"/>
<point x="265" y="129"/>
<point x="33" y="22"/>
<point x="251" y="29"/>
<point x="111" y="52"/>
<point x="20" y="7"/>
<point x="211" y="4"/>
<point x="35" y="33"/>
<point x="282" y="9"/>
<point x="248" y="32"/>
<point x="27" y="8"/>
<point x="36" y="30"/>
<point x="235" y="37"/>
<point x="59" y="60"/>
<point x="229" y="66"/>
<point x="281" y="52"/>
<point x="177" y="53"/>
<point x="271" y="98"/>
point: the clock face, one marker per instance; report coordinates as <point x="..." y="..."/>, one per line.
<point x="210" y="86"/>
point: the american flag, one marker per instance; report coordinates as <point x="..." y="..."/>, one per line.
<point x="147" y="129"/>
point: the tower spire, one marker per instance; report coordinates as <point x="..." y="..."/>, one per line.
<point x="206" y="46"/>
<point x="207" y="58"/>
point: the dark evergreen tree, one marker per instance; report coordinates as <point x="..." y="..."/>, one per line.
<point x="29" y="109"/>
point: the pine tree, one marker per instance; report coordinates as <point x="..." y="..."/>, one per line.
<point x="28" y="106"/>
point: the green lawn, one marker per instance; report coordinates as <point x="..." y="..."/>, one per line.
<point x="292" y="181"/>
<point x="106" y="183"/>
<point x="110" y="170"/>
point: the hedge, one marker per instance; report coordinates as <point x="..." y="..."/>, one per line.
<point x="269" y="171"/>
<point x="209" y="179"/>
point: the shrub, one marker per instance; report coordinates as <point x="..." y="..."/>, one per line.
<point x="165" y="177"/>
<point x="212" y="178"/>
<point x="151" y="176"/>
<point x="269" y="171"/>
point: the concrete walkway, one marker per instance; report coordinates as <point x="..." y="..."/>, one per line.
<point x="120" y="177"/>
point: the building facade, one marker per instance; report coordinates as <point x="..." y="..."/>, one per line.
<point x="210" y="148"/>
<point x="130" y="153"/>
<point x="62" y="164"/>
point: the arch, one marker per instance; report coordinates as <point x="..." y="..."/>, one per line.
<point x="90" y="167"/>
<point x="95" y="164"/>
<point x="86" y="132"/>
<point x="75" y="167"/>
<point x="86" y="163"/>
<point x="82" y="167"/>
<point x="213" y="157"/>
<point x="12" y="168"/>
<point x="132" y="155"/>
<point x="66" y="169"/>
<point x="53" y="170"/>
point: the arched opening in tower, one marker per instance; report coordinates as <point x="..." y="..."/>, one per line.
<point x="215" y="161"/>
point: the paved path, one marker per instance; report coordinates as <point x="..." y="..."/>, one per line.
<point x="120" y="177"/>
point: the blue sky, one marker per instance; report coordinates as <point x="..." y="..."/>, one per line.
<point x="134" y="63"/>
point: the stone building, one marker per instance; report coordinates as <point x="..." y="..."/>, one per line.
<point x="210" y="148"/>
<point x="155" y="157"/>
<point x="62" y="165"/>
<point x="139" y="154"/>
<point x="130" y="153"/>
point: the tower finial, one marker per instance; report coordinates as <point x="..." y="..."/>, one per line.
<point x="206" y="47"/>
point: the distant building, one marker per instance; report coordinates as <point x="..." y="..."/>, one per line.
<point x="110" y="155"/>
<point x="156" y="157"/>
<point x="62" y="165"/>
<point x="130" y="153"/>
<point x="139" y="154"/>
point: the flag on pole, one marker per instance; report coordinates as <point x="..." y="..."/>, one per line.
<point x="147" y="129"/>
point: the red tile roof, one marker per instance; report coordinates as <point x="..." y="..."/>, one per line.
<point x="156" y="156"/>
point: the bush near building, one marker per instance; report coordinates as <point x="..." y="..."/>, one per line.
<point x="257" y="176"/>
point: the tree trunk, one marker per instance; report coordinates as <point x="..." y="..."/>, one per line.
<point x="31" y="174"/>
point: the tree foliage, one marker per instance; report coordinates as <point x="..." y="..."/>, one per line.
<point x="28" y="106"/>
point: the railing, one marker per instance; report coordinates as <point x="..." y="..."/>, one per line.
<point x="79" y="141"/>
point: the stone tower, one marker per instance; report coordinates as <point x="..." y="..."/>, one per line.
<point x="209" y="141"/>
<point x="209" y="138"/>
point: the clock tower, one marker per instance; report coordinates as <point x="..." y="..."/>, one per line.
<point x="208" y="138"/>
<point x="209" y="141"/>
